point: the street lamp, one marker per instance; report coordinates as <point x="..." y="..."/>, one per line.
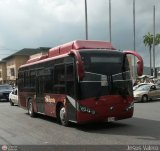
<point x="134" y="40"/>
<point x="110" y="31"/>
<point x="154" y="41"/>
<point x="86" y="20"/>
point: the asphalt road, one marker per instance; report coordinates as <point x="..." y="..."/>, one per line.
<point x="16" y="127"/>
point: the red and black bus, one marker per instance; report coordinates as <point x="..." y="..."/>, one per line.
<point x="81" y="81"/>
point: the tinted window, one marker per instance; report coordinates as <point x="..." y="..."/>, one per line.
<point x="59" y="78"/>
<point x="48" y="82"/>
<point x="5" y="87"/>
<point x="102" y="62"/>
<point x="26" y="79"/>
<point x="105" y="62"/>
<point x="32" y="78"/>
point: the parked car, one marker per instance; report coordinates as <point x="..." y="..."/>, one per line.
<point x="157" y="82"/>
<point x="136" y="86"/>
<point x="5" y="90"/>
<point x="13" y="97"/>
<point x="147" y="92"/>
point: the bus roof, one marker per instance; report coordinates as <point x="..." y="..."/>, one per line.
<point x="79" y="44"/>
<point x="66" y="48"/>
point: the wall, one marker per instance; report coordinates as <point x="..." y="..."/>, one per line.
<point x="3" y="72"/>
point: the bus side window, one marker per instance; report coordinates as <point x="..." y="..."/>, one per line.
<point x="70" y="79"/>
<point x="32" y="78"/>
<point x="26" y="79"/>
<point x="59" y="79"/>
<point x="20" y="80"/>
<point x="48" y="85"/>
<point x="40" y="81"/>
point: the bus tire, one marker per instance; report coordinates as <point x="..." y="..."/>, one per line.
<point x="62" y="116"/>
<point x="30" y="109"/>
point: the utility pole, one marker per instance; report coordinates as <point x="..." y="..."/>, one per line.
<point x="134" y="40"/>
<point x="154" y="70"/>
<point x="110" y="30"/>
<point x="86" y="20"/>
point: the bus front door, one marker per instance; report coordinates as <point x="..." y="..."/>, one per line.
<point x="70" y="91"/>
<point x="39" y="94"/>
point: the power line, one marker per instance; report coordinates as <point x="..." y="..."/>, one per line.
<point x="5" y="54"/>
<point x="8" y="49"/>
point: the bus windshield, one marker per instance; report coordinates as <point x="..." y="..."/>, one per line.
<point x="104" y="62"/>
<point x="105" y="71"/>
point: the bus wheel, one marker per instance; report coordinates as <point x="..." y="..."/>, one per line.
<point x="30" y="109"/>
<point x="62" y="116"/>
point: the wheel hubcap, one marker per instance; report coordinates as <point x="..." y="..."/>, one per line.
<point x="145" y="98"/>
<point x="30" y="108"/>
<point x="62" y="114"/>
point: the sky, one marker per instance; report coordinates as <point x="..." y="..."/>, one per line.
<point x="49" y="23"/>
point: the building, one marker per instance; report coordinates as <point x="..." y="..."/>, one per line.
<point x="9" y="65"/>
<point x="3" y="72"/>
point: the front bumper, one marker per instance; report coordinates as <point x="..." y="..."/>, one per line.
<point x="4" y="97"/>
<point x="137" y="99"/>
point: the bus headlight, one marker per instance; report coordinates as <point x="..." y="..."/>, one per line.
<point x="86" y="109"/>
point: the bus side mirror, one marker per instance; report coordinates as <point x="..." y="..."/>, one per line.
<point x="139" y="68"/>
<point x="139" y="62"/>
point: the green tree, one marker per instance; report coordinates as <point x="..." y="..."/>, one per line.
<point x="157" y="39"/>
<point x="148" y="41"/>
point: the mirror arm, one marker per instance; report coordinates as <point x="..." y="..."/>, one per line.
<point x="139" y="62"/>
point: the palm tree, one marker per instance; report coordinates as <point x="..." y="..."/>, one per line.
<point x="148" y="41"/>
<point x="157" y="39"/>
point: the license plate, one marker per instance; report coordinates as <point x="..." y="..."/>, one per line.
<point x="111" y="119"/>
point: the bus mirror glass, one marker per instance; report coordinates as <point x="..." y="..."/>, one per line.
<point x="139" y="62"/>
<point x="139" y="68"/>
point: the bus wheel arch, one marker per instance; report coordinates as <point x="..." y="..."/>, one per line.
<point x="61" y="114"/>
<point x="30" y="108"/>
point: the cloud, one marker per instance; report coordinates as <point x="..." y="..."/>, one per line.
<point x="26" y="23"/>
